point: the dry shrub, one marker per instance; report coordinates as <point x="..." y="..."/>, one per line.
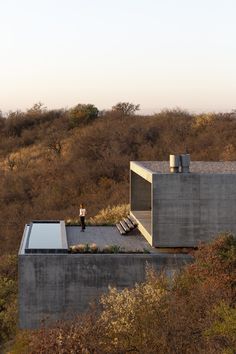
<point x="111" y="215"/>
<point x="130" y="317"/>
<point x="203" y="120"/>
<point x="68" y="337"/>
<point x="228" y="153"/>
<point x="222" y="332"/>
<point x="8" y="291"/>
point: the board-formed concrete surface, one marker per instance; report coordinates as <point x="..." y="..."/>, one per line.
<point x="186" y="208"/>
<point x="144" y="219"/>
<point x="57" y="286"/>
<point x="54" y="287"/>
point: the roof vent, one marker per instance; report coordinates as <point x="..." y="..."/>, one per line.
<point x="174" y="163"/>
<point x="185" y="163"/>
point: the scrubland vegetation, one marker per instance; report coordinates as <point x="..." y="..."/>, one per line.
<point x="52" y="160"/>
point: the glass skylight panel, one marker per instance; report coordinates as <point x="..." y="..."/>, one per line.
<point x="46" y="237"/>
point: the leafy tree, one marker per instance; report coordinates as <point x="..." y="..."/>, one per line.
<point x="125" y="108"/>
<point x="82" y="114"/>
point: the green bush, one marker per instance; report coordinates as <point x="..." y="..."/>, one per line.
<point x="82" y="114"/>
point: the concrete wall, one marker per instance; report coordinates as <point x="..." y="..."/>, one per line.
<point x="140" y="192"/>
<point x="53" y="287"/>
<point x="191" y="207"/>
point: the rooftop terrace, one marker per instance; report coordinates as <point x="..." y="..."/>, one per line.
<point x="54" y="237"/>
<point x="107" y="235"/>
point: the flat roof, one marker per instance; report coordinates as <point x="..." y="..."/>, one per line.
<point x="107" y="235"/>
<point x="219" y="167"/>
<point x="42" y="242"/>
<point x="55" y="237"/>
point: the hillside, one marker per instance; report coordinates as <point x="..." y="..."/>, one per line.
<point x="52" y="160"/>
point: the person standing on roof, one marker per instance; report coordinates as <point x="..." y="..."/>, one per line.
<point x="82" y="213"/>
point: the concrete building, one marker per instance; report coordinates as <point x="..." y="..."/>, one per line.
<point x="55" y="284"/>
<point x="182" y="209"/>
<point x="172" y="210"/>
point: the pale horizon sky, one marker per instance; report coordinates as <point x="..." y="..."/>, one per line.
<point x="156" y="53"/>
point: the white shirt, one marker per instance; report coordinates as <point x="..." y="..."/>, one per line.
<point x="82" y="212"/>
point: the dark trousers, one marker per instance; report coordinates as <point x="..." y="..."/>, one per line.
<point x="82" y="222"/>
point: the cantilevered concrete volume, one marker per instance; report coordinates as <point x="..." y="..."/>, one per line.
<point x="183" y="209"/>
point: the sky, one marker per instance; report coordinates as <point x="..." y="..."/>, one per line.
<point x="156" y="53"/>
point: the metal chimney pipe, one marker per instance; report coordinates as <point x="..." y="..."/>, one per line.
<point x="185" y="163"/>
<point x="174" y="163"/>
